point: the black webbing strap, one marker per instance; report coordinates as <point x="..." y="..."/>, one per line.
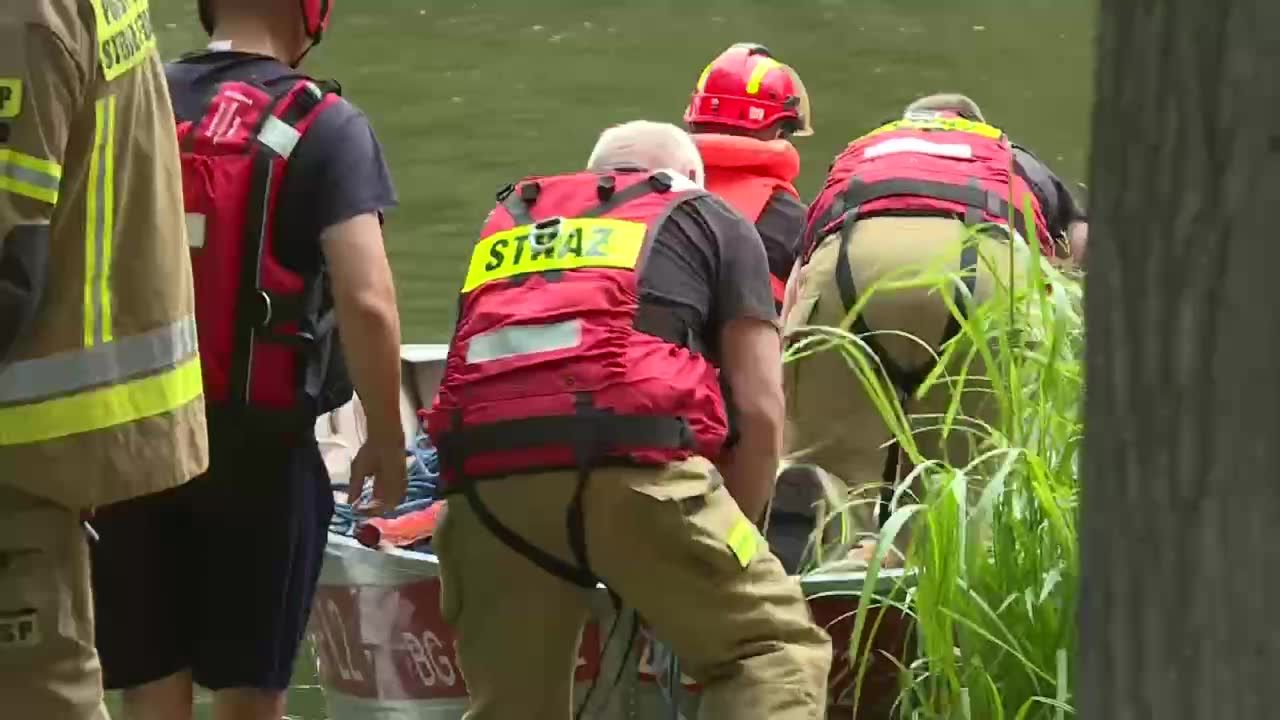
<point x="296" y="310"/>
<point x="519" y="200"/>
<point x="658" y="182"/>
<point x="251" y="306"/>
<point x="906" y="380"/>
<point x="969" y="278"/>
<point x="979" y="203"/>
<point x="605" y="187"/>
<point x="255" y="308"/>
<point x="519" y="203"/>
<point x="608" y="431"/>
<point x="304" y="101"/>
<point x="668" y="322"/>
<point x="890" y="477"/>
<point x="577" y="575"/>
<point x="592" y="433"/>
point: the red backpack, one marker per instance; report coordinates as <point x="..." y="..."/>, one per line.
<point x="266" y="331"/>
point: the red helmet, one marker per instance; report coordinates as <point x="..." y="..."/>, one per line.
<point x="315" y="17"/>
<point x="745" y="87"/>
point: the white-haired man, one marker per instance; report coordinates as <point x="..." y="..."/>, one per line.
<point x="580" y="423"/>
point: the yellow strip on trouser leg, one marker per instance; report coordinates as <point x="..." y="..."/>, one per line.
<point x="743" y="541"/>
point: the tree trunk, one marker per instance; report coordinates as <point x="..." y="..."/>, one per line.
<point x="1180" y="526"/>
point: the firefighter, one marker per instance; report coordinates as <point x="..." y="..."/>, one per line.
<point x="284" y="187"/>
<point x="744" y="111"/>
<point x="100" y="389"/>
<point x="578" y="420"/>
<point x="902" y="198"/>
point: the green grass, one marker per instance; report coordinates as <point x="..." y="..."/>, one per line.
<point x="994" y="559"/>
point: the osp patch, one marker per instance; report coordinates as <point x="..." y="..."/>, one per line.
<point x="19" y="629"/>
<point x="10" y="98"/>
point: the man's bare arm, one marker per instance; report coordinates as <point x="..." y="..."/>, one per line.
<point x="751" y="353"/>
<point x="369" y="325"/>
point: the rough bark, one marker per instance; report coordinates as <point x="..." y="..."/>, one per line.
<point x="1180" y="528"/>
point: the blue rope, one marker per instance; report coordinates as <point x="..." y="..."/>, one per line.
<point x="421" y="492"/>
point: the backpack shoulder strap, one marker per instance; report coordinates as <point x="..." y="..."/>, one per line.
<point x="293" y="113"/>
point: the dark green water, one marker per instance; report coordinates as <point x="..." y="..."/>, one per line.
<point x="468" y="96"/>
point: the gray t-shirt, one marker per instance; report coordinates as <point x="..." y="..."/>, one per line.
<point x="708" y="264"/>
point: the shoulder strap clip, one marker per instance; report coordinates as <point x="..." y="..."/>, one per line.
<point x="661" y="182"/>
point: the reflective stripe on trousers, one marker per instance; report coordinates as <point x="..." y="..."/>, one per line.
<point x="109" y="384"/>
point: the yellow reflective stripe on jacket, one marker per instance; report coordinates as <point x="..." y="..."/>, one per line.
<point x="135" y="377"/>
<point x="29" y="176"/>
<point x="99" y="225"/>
<point x="102" y="408"/>
<point x="54" y="376"/>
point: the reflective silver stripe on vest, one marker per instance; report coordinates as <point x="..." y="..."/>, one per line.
<point x="71" y="372"/>
<point x="523" y="340"/>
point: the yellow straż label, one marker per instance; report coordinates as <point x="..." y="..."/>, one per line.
<point x="125" y="35"/>
<point x="743" y="541"/>
<point x="10" y="98"/>
<point x="572" y="244"/>
<point x="954" y="124"/>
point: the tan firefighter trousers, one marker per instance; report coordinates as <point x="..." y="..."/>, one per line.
<point x="48" y="665"/>
<point x="674" y="546"/>
<point x="831" y="419"/>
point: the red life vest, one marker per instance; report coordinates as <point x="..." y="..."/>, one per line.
<point x="746" y="172"/>
<point x="930" y="163"/>
<point x="554" y="363"/>
<point x="258" y="321"/>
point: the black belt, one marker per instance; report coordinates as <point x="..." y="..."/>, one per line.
<point x="593" y="434"/>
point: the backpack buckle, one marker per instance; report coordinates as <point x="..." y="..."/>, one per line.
<point x="260" y="311"/>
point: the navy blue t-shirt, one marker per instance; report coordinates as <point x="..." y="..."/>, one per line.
<point x="337" y="171"/>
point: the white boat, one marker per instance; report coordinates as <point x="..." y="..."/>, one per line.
<point x="385" y="653"/>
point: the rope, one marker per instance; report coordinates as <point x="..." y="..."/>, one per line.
<point x="424" y="471"/>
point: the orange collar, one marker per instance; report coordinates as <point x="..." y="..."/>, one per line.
<point x="772" y="158"/>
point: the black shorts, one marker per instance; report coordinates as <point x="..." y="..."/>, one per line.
<point x="216" y="576"/>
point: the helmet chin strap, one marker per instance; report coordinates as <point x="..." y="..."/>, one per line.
<point x="311" y="43"/>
